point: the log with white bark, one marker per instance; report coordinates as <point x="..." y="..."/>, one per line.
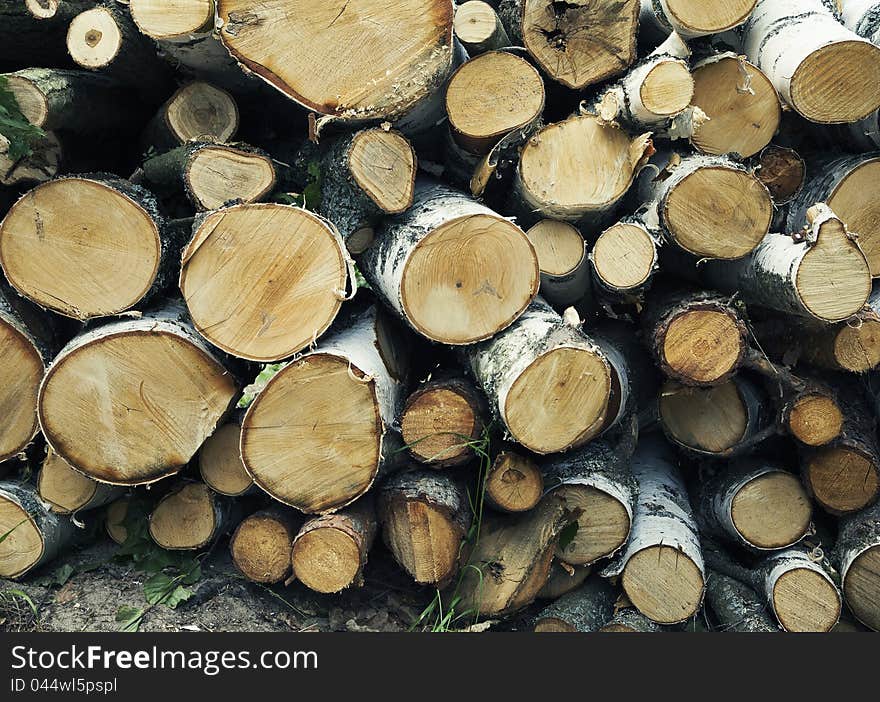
<point x="577" y="171"/>
<point x="441" y="418"/>
<point x="794" y="584"/>
<point x="862" y="17"/>
<point x="693" y="18"/>
<point x="400" y="53"/>
<point x="624" y="260"/>
<point x="219" y="461"/>
<point x="258" y="292"/>
<point x="330" y="551"/>
<point x="708" y="206"/>
<point x="547" y="383"/>
<point x="453" y="269"/>
<point x="514" y="482"/>
<point x="753" y="503"/>
<point x="32" y="534"/>
<point x="824" y="71"/>
<point x="191" y="516"/>
<point x="630" y="621"/>
<point x="587" y="609"/>
<point x="211" y="175"/>
<point x="849" y="186"/>
<point x="27" y="346"/>
<point x="662" y="566"/>
<point x="478" y="28"/>
<point x="554" y="34"/>
<point x="68" y="491"/>
<point x="737" y="606"/>
<point x="131" y="256"/>
<point x="597" y="480"/>
<point x="262" y="545"/>
<point x="819" y="272"/>
<point x="425" y="516"/>
<point x="563" y="260"/>
<point x="364" y="177"/>
<point x="159" y="394"/>
<point x="196" y="110"/>
<point x="857" y="559"/>
<point x="320" y="432"/>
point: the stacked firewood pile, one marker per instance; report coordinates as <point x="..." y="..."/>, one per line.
<point x="555" y="300"/>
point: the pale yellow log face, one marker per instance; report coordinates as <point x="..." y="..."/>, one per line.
<point x="856" y="200"/>
<point x="133" y="407"/>
<point x="326" y="560"/>
<point x="862" y="587"/>
<point x="21" y="370"/>
<point x="80" y="248"/>
<point x="703" y="345"/>
<point x="220" y="463"/>
<point x="30" y="99"/>
<point x="383" y="164"/>
<point x="62" y="486"/>
<point x="475" y="22"/>
<point x="166" y="19"/>
<point x="559" y="245"/>
<point x="469" y="278"/>
<point x="664" y="584"/>
<point x="624" y="256"/>
<point x="804" y="601"/>
<point x="342" y="57"/>
<point x="857" y="348"/>
<point x="707" y="419"/>
<point x="710" y="16"/>
<point x="312" y="437"/>
<point x="262" y="281"/>
<point x="772" y="511"/>
<point x="94" y="39"/>
<point x="842" y="480"/>
<point x="668" y="88"/>
<point x="217" y="175"/>
<point x="815" y="420"/>
<point x="23" y="546"/>
<point x="185" y="519"/>
<point x="199" y="110"/>
<point x="603" y="527"/>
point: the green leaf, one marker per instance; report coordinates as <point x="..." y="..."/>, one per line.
<point x="157" y="587"/>
<point x="176" y="596"/>
<point x="20" y="133"/>
<point x="129" y="618"/>
<point x="566" y="536"/>
<point x="62" y="574"/>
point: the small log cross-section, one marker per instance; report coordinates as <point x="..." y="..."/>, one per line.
<point x="262" y="544"/>
<point x="624" y="259"/>
<point x="129" y="402"/>
<point x="820" y="273"/>
<point x="584" y="610"/>
<point x="478" y="28"/>
<point x="190" y="517"/>
<point x="514" y="482"/>
<point x="115" y="518"/>
<point x="330" y="551"/>
<point x="823" y="70"/>
<point x="396" y="53"/>
<point x="33" y="535"/>
<point x="754" y="504"/>
<point x="366" y="176"/>
<point x="662" y="566"/>
<point x="425" y="517"/>
<point x="578" y="42"/>
<point x="347" y="395"/>
<point x="562" y="257"/>
<point x="577" y="170"/>
<point x="68" y="491"/>
<point x="220" y="465"/>
<point x="263" y="280"/>
<point x="548" y="383"/>
<point x="456" y="271"/>
<point x="440" y="419"/>
<point x="129" y="256"/>
<point x="197" y="110"/>
<point x="857" y="558"/>
<point x="695" y="18"/>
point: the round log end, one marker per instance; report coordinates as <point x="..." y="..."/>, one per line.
<point x="856" y="200"/>
<point x="261" y="548"/>
<point x="559" y="401"/>
<point x="514" y="483"/>
<point x="438" y="422"/>
<point x="667" y="89"/>
<point x="94" y="38"/>
<point x="31" y="101"/>
<point x="23" y="547"/>
<point x="861" y="587"/>
<point x="838" y="83"/>
<point x="702" y="346"/>
<point x="842" y="479"/>
<point x="857" y="348"/>
<point x="44" y="256"/>
<point x="21" y="372"/>
<point x="383" y="164"/>
<point x="624" y="256"/>
<point x="475" y="22"/>
<point x="815" y="420"/>
<point x="42" y="9"/>
<point x="559" y="245"/>
<point x="709" y="16"/>
<point x="255" y="289"/>
<point x="718" y="212"/>
<point x="316" y="402"/>
<point x="220" y="462"/>
<point x="712" y="420"/>
<point x="159" y="21"/>
<point x="62" y="487"/>
<point x="806" y="601"/>
<point x="184" y="519"/>
<point x="201" y="110"/>
<point x="603" y="526"/>
<point x="772" y="511"/>
<point x="217" y="174"/>
<point x="423" y="539"/>
<point x="114" y="521"/>
<point x="742" y="105"/>
<point x="468" y="279"/>
<point x="326" y="560"/>
<point x="663" y="584"/>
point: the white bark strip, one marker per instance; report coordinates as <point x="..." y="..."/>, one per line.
<point x="862" y="17"/>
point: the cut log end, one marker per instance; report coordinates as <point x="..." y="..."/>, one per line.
<point x="664" y="584"/>
<point x="200" y="110"/>
<point x="624" y="256"/>
<point x="856" y="200"/>
<point x="667" y="89"/>
<point x="782" y="171"/>
<point x="857" y="347"/>
<point x="62" y="487"/>
<point x="778" y="527"/>
<point x="574" y="387"/>
<point x="712" y="419"/>
<point x="424" y="540"/>
<point x="114" y="521"/>
<point x="742" y="105"/>
<point x="718" y="212"/>
<point x="490" y="96"/>
<point x="43" y="256"/>
<point x="815" y="420"/>
<point x="326" y="560"/>
<point x="861" y="587"/>
<point x="806" y="601"/>
<point x="446" y="291"/>
<point x="514" y="483"/>
<point x="218" y="174"/>
<point x="261" y="548"/>
<point x="158" y="20"/>
<point x="709" y="16"/>
<point x="838" y="83"/>
<point x="31" y="100"/>
<point x="23" y="547"/>
<point x="255" y="291"/>
<point x="478" y="28"/>
<point x="299" y="414"/>
<point x="603" y="525"/>
<point x="94" y="38"/>
<point x="220" y="464"/>
<point x="42" y="9"/>
<point x="559" y="245"/>
<point x="383" y="164"/>
<point x="554" y="35"/>
<point x="20" y="376"/>
<point x="703" y="345"/>
<point x="185" y="519"/>
<point x="842" y="479"/>
<point x="438" y="422"/>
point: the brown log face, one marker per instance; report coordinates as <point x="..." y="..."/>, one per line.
<point x="703" y="345"/>
<point x="857" y="347"/>
<point x="782" y="171"/>
<point x="439" y="421"/>
<point x="707" y="419"/>
<point x="184" y="519"/>
<point x="856" y="200"/>
<point x="805" y="601"/>
<point x="815" y="420"/>
<point x="61" y="486"/>
<point x="514" y="483"/>
<point x="115" y="520"/>
<point x="24" y="544"/>
<point x="326" y="560"/>
<point x="383" y="164"/>
<point x="21" y="371"/>
<point x="664" y="584"/>
<point x="424" y="540"/>
<point x="261" y="548"/>
<point x="387" y="45"/>
<point x="842" y="480"/>
<point x="772" y="511"/>
<point x="603" y="526"/>
<point x="861" y="587"/>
